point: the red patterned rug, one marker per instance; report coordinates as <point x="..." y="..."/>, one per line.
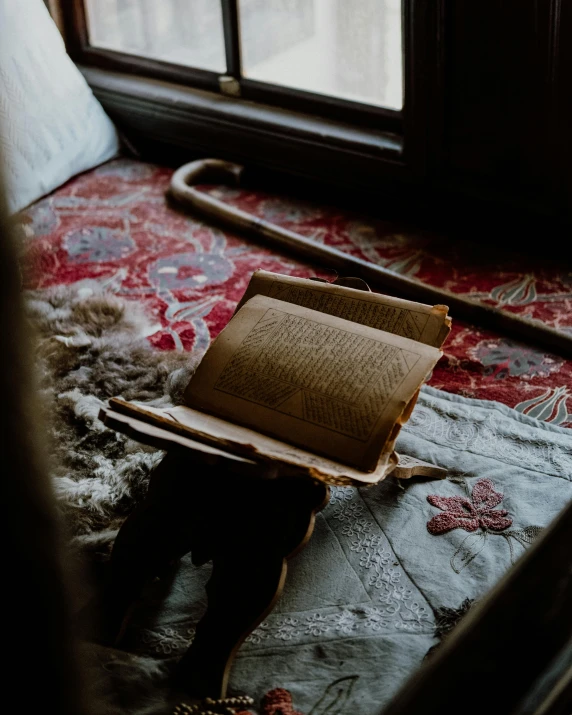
<point x="114" y="224"/>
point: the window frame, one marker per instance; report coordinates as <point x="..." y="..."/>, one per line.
<point x="283" y="98"/>
<point x="449" y="149"/>
<point x="288" y="98"/>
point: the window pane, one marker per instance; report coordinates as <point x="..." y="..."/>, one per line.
<point x="184" y="32"/>
<point x="342" y="48"/>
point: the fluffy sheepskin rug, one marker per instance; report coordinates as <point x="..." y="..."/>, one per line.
<point x="91" y="346"/>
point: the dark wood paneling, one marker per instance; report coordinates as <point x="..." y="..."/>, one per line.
<point x="504" y="78"/>
<point x="424" y="67"/>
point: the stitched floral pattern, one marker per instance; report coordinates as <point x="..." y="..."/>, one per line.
<point x="461" y="513"/>
<point x="494" y="436"/>
<point x="168" y="641"/>
<point x="390" y="600"/>
<point x="394" y="604"/>
<point x="476" y="514"/>
<point x="278" y="702"/>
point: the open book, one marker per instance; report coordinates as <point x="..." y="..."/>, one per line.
<point x="307" y="378"/>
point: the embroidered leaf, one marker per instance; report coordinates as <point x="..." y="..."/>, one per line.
<point x="456" y="480"/>
<point x="471" y="546"/>
<point x="446" y="619"/>
<point x="462" y="482"/>
<point x="522" y="536"/>
<point x="526" y="535"/>
<point x="336" y="697"/>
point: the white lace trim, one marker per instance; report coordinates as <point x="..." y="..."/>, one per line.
<point x="168" y="641"/>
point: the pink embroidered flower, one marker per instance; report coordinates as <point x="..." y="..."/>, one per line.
<point x="278" y="702"/>
<point x="462" y="513"/>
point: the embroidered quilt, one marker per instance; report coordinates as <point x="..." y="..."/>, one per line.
<point x="364" y="600"/>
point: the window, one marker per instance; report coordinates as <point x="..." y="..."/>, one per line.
<point x="430" y="100"/>
<point x="289" y="52"/>
<point x="188" y="33"/>
<point x="339" y="48"/>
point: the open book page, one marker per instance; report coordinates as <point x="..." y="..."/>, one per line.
<point x="314" y="380"/>
<point x="213" y="436"/>
<point x="425" y="323"/>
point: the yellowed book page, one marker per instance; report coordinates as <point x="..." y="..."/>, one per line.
<point x="314" y="380"/>
<point x="209" y="434"/>
<point x="425" y="323"/>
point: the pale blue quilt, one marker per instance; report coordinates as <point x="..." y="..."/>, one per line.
<point x="359" y="610"/>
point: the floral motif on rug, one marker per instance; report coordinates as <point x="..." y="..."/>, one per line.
<point x="477" y="513"/>
<point x="115" y="225"/>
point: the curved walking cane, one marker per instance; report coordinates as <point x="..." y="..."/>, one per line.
<point x="472" y="311"/>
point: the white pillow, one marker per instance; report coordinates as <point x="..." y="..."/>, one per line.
<point x="51" y="125"/>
